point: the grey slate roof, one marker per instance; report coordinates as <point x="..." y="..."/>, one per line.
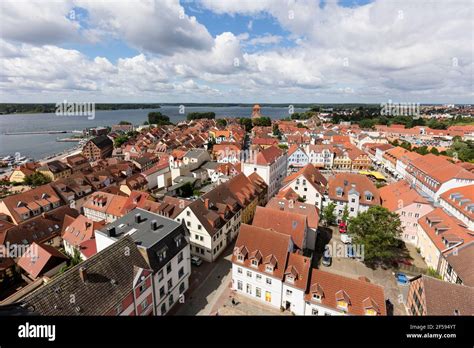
<point x="102" y="141"/>
<point x="153" y="241"/>
<point x="110" y="279"/>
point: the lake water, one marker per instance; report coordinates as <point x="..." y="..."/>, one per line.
<point x="39" y="146"/>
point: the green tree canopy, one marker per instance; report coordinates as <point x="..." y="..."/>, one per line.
<point x="36" y="179"/>
<point x="328" y="214"/>
<point x="377" y="229"/>
<point x="222" y="122"/>
<point x="200" y="115"/>
<point x="262" y="121"/>
<point x="158" y="118"/>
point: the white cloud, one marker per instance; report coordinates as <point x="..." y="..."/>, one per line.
<point x="265" y="40"/>
<point x="399" y="50"/>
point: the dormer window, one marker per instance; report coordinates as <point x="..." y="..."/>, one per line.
<point x="339" y="191"/>
<point x="255" y="263"/>
<point x="269" y="268"/>
<point x="368" y="196"/>
<point x="316" y="297"/>
<point x="162" y="254"/>
<point x="240" y="258"/>
<point x="290" y="279"/>
<point x="342" y="305"/>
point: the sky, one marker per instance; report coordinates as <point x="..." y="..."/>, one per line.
<point x="245" y="51"/>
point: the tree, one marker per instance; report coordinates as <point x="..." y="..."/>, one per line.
<point x="73" y="261"/>
<point x="199" y="115"/>
<point x="345" y="214"/>
<point x="124" y="123"/>
<point x="276" y="130"/>
<point x="186" y="190"/>
<point x="247" y="123"/>
<point x="36" y="179"/>
<point x="262" y="122"/>
<point x="120" y="140"/>
<point x="158" y="118"/>
<point x="377" y="229"/>
<point x="328" y="214"/>
<point x="434" y="151"/>
<point x="222" y="122"/>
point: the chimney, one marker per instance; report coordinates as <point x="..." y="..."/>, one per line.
<point x="111" y="231"/>
<point x="206" y="203"/>
<point x="154" y="225"/>
<point x="138" y="218"/>
<point x="83" y="274"/>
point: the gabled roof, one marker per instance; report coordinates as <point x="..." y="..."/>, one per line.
<point x="298" y="267"/>
<point x="461" y="199"/>
<point x="461" y="260"/>
<point x="360" y="295"/>
<point x="272" y="245"/>
<point x="293" y="206"/>
<point x="284" y="222"/>
<point x="109" y="281"/>
<point x="312" y="176"/>
<point x="400" y="191"/>
<point x="40" y="258"/>
<point x="355" y="182"/>
<point x="444" y="298"/>
<point x="442" y="229"/>
<point x="268" y="155"/>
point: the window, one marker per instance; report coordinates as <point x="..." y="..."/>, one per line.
<point x="201" y="238"/>
<point x="289" y="292"/>
<point x="449" y="270"/>
<point x="144" y="304"/>
<point x="199" y="227"/>
<point x="168" y="268"/>
<point x="269" y="281"/>
<point x="142" y="288"/>
<point x="417" y="215"/>
<point x="180" y="257"/>
<point x="269" y="268"/>
<point x="314" y="311"/>
<point x="171" y="300"/>
<point x="268" y="296"/>
<point x="188" y="213"/>
<point x="353" y="200"/>
<point x="163" y="309"/>
<point x="160" y="276"/>
<point x="162" y="254"/>
<point x="249" y="274"/>
<point x="181" y="272"/>
<point x="258" y="277"/>
<point x="258" y="292"/>
<point x="181" y="288"/>
<point x="240" y="258"/>
<point x="239" y="270"/>
<point x="188" y="223"/>
<point x="254" y="263"/>
<point x="162" y="292"/>
<point x="239" y="285"/>
<point x="249" y="289"/>
<point x="170" y="284"/>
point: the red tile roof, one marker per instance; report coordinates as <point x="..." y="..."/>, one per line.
<point x="357" y="182"/>
<point x="292" y="224"/>
<point x="359" y="294"/>
<point x="443" y="229"/>
<point x="40" y="258"/>
<point x="400" y="191"/>
<point x="268" y="155"/>
<point x="266" y="246"/>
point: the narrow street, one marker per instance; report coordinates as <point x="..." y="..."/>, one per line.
<point x="207" y="285"/>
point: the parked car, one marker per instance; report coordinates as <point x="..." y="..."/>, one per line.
<point x="402" y="278"/>
<point x="196" y="261"/>
<point x="346" y="239"/>
<point x="327" y="260"/>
